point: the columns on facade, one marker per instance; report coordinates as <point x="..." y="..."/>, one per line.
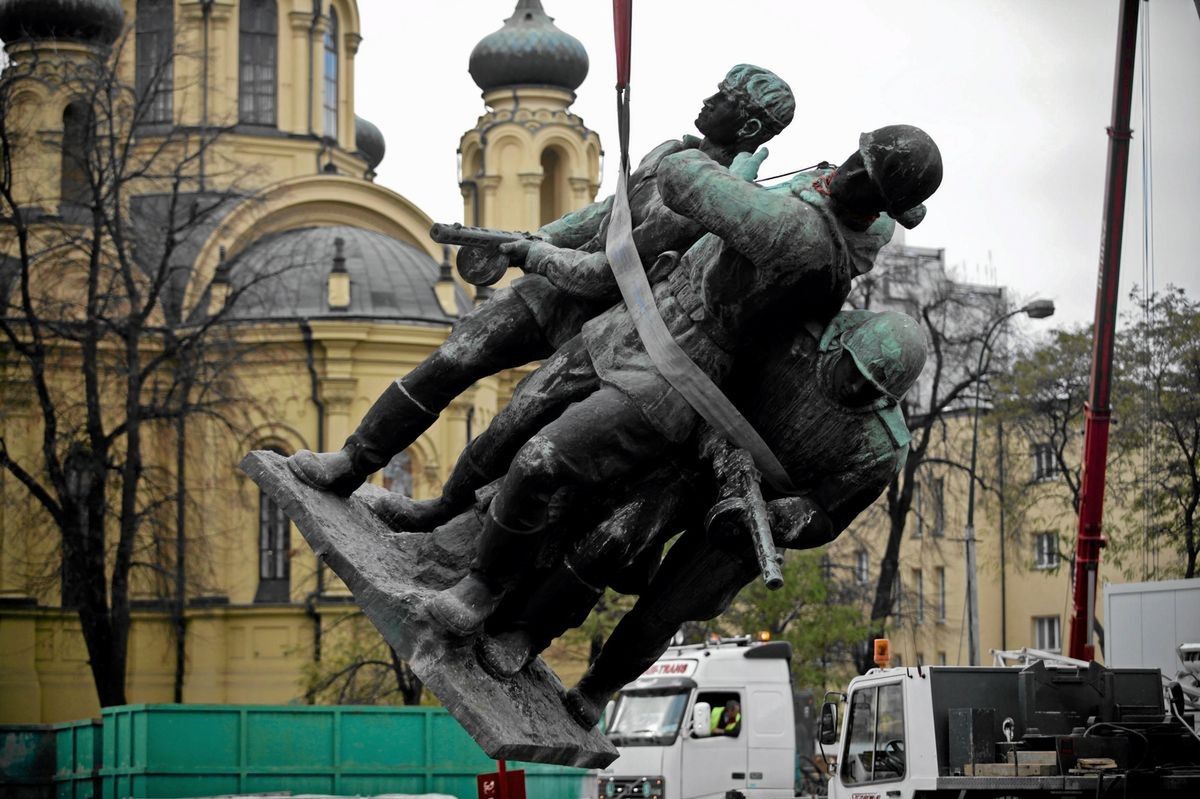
<point x="582" y="190"/>
<point x="346" y="134"/>
<point x="531" y="194"/>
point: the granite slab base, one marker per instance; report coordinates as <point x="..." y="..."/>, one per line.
<point x="391" y="576"/>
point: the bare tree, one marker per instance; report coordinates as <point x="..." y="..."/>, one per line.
<point x="1158" y="406"/>
<point x="361" y="669"/>
<point x="109" y="326"/>
<point x="955" y="317"/>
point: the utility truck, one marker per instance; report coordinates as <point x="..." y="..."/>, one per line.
<point x="1043" y="730"/>
<point x="663" y="725"/>
<point x="942" y="731"/>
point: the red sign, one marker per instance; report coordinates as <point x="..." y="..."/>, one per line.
<point x="489" y="785"/>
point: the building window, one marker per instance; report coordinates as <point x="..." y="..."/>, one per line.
<point x="75" y="189"/>
<point x="919" y="591"/>
<point x="331" y="76"/>
<point x="941" y="658"/>
<point x="1045" y="548"/>
<point x="939" y="506"/>
<point x="941" y="595"/>
<point x="155" y="70"/>
<point x="1045" y="464"/>
<point x="256" y="62"/>
<point x="862" y="567"/>
<point x="1047" y="633"/>
<point x="550" y="199"/>
<point x="274" y="551"/>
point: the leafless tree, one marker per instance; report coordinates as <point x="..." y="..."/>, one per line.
<point x="105" y="321"/>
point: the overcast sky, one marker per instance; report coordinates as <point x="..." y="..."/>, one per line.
<point x="1017" y="94"/>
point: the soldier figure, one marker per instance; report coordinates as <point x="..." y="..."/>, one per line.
<point x="530" y="319"/>
<point x="771" y="258"/>
<point x="826" y="403"/>
<point x="830" y="409"/>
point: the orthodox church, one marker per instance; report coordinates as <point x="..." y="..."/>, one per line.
<point x="350" y="293"/>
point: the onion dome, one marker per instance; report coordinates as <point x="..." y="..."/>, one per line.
<point x="529" y="49"/>
<point x="369" y="142"/>
<point x="97" y="22"/>
<point x="284" y="276"/>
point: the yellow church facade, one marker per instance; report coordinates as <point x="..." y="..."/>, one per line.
<point x="370" y="295"/>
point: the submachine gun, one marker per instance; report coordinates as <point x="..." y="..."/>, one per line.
<point x="480" y="261"/>
<point x="741" y="509"/>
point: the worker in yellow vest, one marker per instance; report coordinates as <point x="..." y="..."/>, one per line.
<point x="727" y="720"/>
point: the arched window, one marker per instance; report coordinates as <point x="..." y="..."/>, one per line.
<point x="155" y="71"/>
<point x="331" y="76"/>
<point x="274" y="550"/>
<point x="257" y="62"/>
<point x="551" y="193"/>
<point x="75" y="186"/>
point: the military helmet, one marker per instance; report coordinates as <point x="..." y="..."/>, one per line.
<point x="889" y="350"/>
<point x="904" y="163"/>
<point x="760" y="92"/>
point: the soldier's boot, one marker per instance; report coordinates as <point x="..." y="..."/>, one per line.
<point x="584" y="704"/>
<point x="561" y="603"/>
<point x="392" y="423"/>
<point x="503" y="556"/>
<point x="404" y="514"/>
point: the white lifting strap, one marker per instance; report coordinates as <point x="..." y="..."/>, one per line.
<point x="668" y="357"/>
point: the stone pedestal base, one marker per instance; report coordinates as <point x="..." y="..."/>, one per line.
<point x="391" y="576"/>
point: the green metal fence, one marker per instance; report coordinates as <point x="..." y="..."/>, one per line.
<point x="165" y="751"/>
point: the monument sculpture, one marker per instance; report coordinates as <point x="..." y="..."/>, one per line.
<point x="600" y="460"/>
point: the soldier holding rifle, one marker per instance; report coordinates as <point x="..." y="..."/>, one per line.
<point x="531" y="318"/>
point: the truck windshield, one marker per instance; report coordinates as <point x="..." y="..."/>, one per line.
<point x="647" y="719"/>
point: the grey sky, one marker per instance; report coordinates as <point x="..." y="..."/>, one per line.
<point x="1016" y="92"/>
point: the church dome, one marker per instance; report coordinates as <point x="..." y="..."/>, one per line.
<point x="529" y="49"/>
<point x="283" y="276"/>
<point x="369" y="141"/>
<point x="90" y="21"/>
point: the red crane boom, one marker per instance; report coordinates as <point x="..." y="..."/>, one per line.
<point x="1097" y="411"/>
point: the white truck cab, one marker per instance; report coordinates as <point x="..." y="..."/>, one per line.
<point x="663" y="725"/>
<point x="1042" y="730"/>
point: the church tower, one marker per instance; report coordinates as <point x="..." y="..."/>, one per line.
<point x="528" y="160"/>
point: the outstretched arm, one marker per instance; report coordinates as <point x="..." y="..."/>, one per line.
<point x="767" y="226"/>
<point x="578" y="227"/>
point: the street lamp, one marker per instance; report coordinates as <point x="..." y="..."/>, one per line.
<point x="1036" y="309"/>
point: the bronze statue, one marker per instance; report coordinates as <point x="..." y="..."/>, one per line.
<point x="771" y="258"/>
<point x="598" y="461"/>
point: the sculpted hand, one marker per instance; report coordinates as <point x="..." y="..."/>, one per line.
<point x="516" y="251"/>
<point x="745" y="165"/>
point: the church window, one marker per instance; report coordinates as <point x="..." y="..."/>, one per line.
<point x="331" y="76"/>
<point x="257" y="62"/>
<point x="274" y="551"/>
<point x="551" y="191"/>
<point x="155" y="73"/>
<point x="75" y="185"/>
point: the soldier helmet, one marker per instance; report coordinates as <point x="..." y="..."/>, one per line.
<point x="761" y="93"/>
<point x="904" y="163"/>
<point x="889" y="350"/>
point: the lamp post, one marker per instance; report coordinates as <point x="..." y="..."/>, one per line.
<point x="1037" y="309"/>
